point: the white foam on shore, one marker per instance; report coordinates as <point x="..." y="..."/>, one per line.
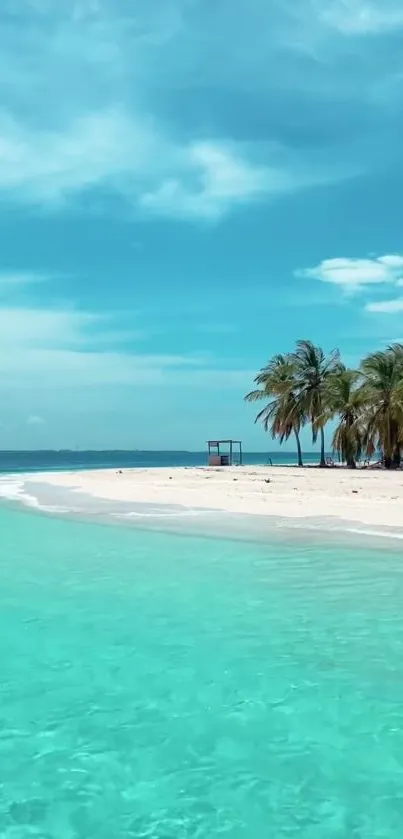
<point x="343" y="525"/>
<point x="13" y="489"/>
<point x="180" y="518"/>
<point x="186" y="512"/>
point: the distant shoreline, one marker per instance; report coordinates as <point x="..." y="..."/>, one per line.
<point x="66" y="460"/>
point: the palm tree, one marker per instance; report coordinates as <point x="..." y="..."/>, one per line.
<point x="313" y="369"/>
<point x="382" y="392"/>
<point x="282" y="414"/>
<point x="345" y="400"/>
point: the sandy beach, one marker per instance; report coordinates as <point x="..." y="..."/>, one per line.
<point x="368" y="497"/>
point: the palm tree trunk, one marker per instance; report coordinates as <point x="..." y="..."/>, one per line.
<point x="322" y="447"/>
<point x="397" y="457"/>
<point x="300" y="463"/>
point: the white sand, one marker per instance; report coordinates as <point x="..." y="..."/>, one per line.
<point x="367" y="497"/>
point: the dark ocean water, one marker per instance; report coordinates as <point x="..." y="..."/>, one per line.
<point x="32" y="461"/>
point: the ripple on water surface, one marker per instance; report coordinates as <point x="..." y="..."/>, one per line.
<point x="167" y="687"/>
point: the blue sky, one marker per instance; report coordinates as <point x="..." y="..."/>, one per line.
<point x="186" y="188"/>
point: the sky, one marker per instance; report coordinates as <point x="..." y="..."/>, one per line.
<point x="186" y="188"/>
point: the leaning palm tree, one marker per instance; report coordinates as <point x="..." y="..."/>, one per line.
<point x="345" y="400"/>
<point x="313" y="369"/>
<point x="281" y="415"/>
<point x="382" y="392"/>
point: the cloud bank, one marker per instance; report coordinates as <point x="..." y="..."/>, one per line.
<point x="102" y="96"/>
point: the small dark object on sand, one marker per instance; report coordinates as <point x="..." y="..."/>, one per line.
<point x="119" y="472"/>
<point x="355" y="491"/>
<point x="267" y="480"/>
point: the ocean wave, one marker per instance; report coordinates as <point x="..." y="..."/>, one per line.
<point x="11" y="489"/>
<point x="186" y="512"/>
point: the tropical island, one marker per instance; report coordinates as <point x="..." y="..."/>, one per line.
<point x="306" y="386"/>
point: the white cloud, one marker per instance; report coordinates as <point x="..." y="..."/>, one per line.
<point x="85" y="104"/>
<point x="223" y="179"/>
<point x="14" y="278"/>
<point x="112" y="149"/>
<point x="45" y="166"/>
<point x="354" y="275"/>
<point x="392" y="261"/>
<point x="389" y="307"/>
<point x="24" y="328"/>
<point x="362" y="17"/>
<point x="35" y="420"/>
<point x="57" y="350"/>
<point x="79" y="112"/>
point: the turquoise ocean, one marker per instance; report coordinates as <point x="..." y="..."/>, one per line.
<point x="165" y="686"/>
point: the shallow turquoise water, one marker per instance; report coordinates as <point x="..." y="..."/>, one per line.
<point x="165" y="687"/>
